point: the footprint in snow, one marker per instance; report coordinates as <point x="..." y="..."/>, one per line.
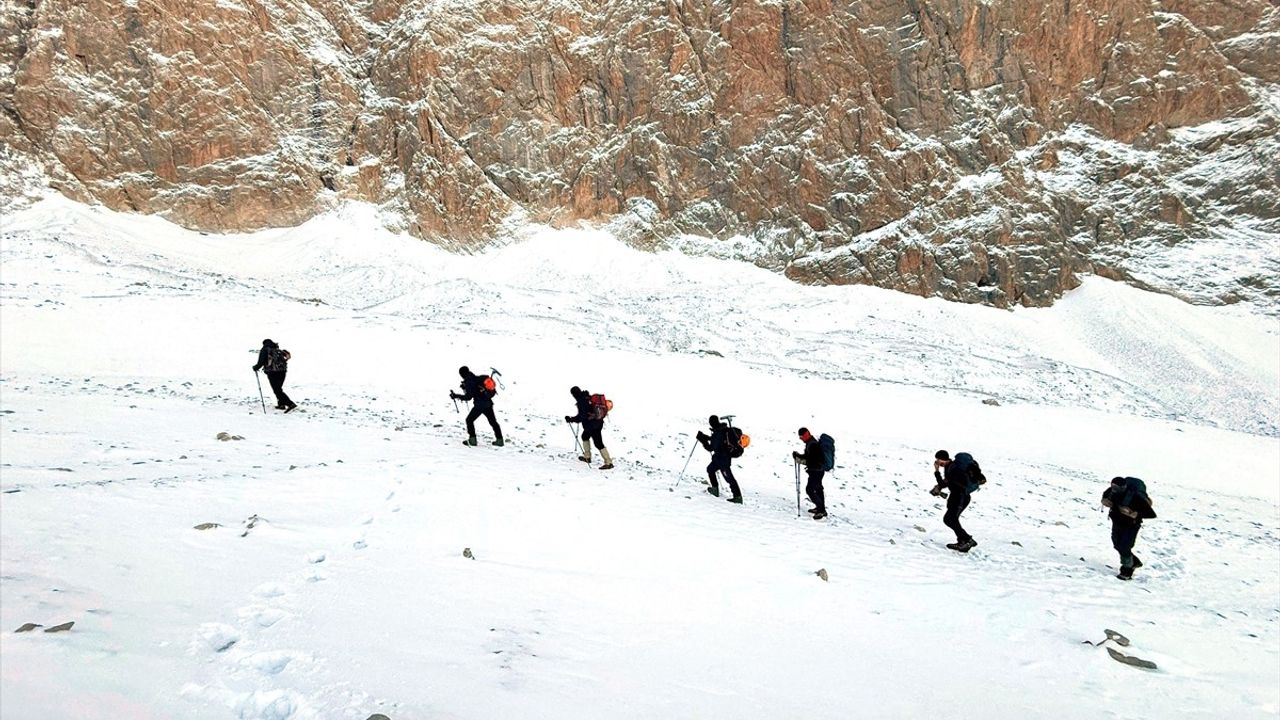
<point x="360" y="544"/>
<point x="216" y="636"/>
<point x="262" y="616"/>
<point x="316" y="557"/>
<point x="269" y="663"/>
<point x="269" y="590"/>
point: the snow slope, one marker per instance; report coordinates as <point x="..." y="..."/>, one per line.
<point x="125" y="347"/>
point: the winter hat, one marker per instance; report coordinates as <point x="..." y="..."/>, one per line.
<point x="714" y="421"/>
<point x="802" y="431"/>
<point x="575" y="391"/>
<point x="268" y="342"/>
<point x="464" y="371"/>
<point x="942" y="455"/>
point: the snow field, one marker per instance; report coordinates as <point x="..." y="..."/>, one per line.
<point x="125" y="348"/>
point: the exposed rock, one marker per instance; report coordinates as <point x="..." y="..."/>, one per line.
<point x="207" y="526"/>
<point x="60" y="628"/>
<point x="28" y="627"/>
<point x="225" y="437"/>
<point x="991" y="401"/>
<point x="466" y="553"/>
<point x="822" y="573"/>
<point x="979" y="150"/>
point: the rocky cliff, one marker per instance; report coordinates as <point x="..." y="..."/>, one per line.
<point x="980" y="150"/>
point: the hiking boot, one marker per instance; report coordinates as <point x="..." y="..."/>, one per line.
<point x="1126" y="573"/>
<point x="279" y="406"/>
<point x="811" y="511"/>
<point x="715" y="491"/>
<point x="585" y="459"/>
<point x="498" y="442"/>
<point x="736" y="499"/>
<point x="607" y="466"/>
<point x="291" y="408"/>
<point x="964" y="546"/>
<point x="820" y="514"/>
<point x="1136" y="562"/>
<point x="470" y="441"/>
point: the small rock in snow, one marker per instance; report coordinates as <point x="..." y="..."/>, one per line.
<point x="822" y="573"/>
<point x="60" y="628"/>
<point x="207" y="526"/>
<point x="466" y="553"/>
<point x="28" y="627"/>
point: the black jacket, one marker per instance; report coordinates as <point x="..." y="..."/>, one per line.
<point x="263" y="357"/>
<point x="473" y="390"/>
<point x="813" y="457"/>
<point x="718" y="442"/>
<point x="585" y="411"/>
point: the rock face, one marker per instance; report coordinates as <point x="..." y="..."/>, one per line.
<point x="979" y="150"/>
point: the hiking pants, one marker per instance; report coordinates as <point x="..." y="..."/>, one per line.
<point x="488" y="414"/>
<point x="1124" y="533"/>
<point x="723" y="464"/>
<point x="814" y="490"/>
<point x="956" y="505"/>
<point x="276" y="378"/>
<point x="592" y="430"/>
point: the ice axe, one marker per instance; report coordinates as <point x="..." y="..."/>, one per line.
<point x="496" y="374"/>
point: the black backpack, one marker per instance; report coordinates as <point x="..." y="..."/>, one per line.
<point x="277" y="359"/>
<point x="828" y="445"/>
<point x="736" y="440"/>
<point x="975" y="477"/>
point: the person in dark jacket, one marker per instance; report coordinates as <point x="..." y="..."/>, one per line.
<point x="276" y="362"/>
<point x="960" y="476"/>
<point x="473" y="389"/>
<point x="1130" y="505"/>
<point x="717" y="443"/>
<point x="815" y="465"/>
<point x="592" y="427"/>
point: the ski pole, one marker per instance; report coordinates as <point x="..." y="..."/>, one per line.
<point x="692" y="450"/>
<point x="260" y="396"/>
<point x="455" y="404"/>
<point x="799" y="507"/>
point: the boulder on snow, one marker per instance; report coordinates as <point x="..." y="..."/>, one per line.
<point x="991" y="401"/>
<point x="28" y="627"/>
<point x="822" y="573"/>
<point x="225" y="436"/>
<point x="466" y="553"/>
<point x="378" y="716"/>
<point x="60" y="628"/>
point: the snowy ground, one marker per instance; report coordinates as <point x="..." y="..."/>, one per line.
<point x="125" y="347"/>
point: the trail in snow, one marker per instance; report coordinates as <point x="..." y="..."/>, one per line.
<point x="125" y="348"/>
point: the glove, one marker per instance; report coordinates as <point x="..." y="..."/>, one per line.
<point x="254" y="368"/>
<point x="454" y="395"/>
<point x="568" y="418"/>
<point x="703" y="436"/>
<point x="797" y="455"/>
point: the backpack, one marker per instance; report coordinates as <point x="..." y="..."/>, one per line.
<point x="488" y="385"/>
<point x="600" y="406"/>
<point x="975" y="476"/>
<point x="828" y="445"/>
<point x="277" y="359"/>
<point x="1130" y="499"/>
<point x="737" y="441"/>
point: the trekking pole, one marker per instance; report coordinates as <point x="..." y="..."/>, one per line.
<point x="799" y="507"/>
<point x="455" y="404"/>
<point x="686" y="462"/>
<point x="260" y="396"/>
<point x="577" y="445"/>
